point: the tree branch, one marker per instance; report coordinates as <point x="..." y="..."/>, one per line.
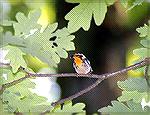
<point x="145" y="62"/>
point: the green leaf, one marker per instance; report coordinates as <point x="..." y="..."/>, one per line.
<point x="148" y="32"/>
<point x="9" y="39"/>
<point x="25" y="104"/>
<point x="7" y="75"/>
<point x="68" y="107"/>
<point x="142" y="52"/>
<point x="132" y="95"/>
<point x="20" y="88"/>
<point x="124" y="3"/>
<point x="64" y="42"/>
<point x="49" y="46"/>
<point x="25" y="25"/>
<point x="19" y="97"/>
<point x="81" y="15"/>
<point x="132" y="84"/>
<point x="110" y="2"/>
<point x="15" y="55"/>
<point x="120" y="107"/>
<point x="116" y="107"/>
<point x="6" y="23"/>
<point x="3" y="108"/>
<point x="1" y="29"/>
<point x="134" y="4"/>
<point x="145" y="43"/>
<point x="142" y="31"/>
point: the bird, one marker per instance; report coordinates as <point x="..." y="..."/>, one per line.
<point x="81" y="64"/>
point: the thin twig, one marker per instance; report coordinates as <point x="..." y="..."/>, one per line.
<point x="146" y="61"/>
<point x="101" y="77"/>
<point x="137" y="65"/>
<point x="78" y="94"/>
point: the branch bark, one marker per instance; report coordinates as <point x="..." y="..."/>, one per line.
<point x="143" y="63"/>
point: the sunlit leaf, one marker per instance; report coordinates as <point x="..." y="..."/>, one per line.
<point x="134" y="3"/>
<point x="25" y="24"/>
<point x="19" y="97"/>
<point x="48" y="46"/>
<point x="132" y="84"/>
<point x="132" y="95"/>
<point x="142" y="31"/>
<point x="142" y="52"/>
<point x="69" y="108"/>
<point x="1" y="29"/>
<point x="120" y="107"/>
<point x="109" y="2"/>
<point x="145" y="43"/>
<point x="9" y="39"/>
<point x="15" y="55"/>
<point x="124" y="3"/>
<point x="6" y="23"/>
<point x="81" y="15"/>
<point x="116" y="107"/>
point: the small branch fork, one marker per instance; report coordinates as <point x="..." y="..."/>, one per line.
<point x="145" y="62"/>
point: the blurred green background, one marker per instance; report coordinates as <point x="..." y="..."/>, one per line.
<point x="108" y="47"/>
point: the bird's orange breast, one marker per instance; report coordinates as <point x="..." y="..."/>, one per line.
<point x="77" y="60"/>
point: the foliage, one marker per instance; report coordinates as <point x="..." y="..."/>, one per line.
<point x="144" y="32"/>
<point x="19" y="97"/>
<point x="130" y="4"/>
<point x="15" y="55"/>
<point x="134" y="89"/>
<point x="120" y="107"/>
<point x="69" y="108"/>
<point x="50" y="45"/>
<point x="81" y="15"/>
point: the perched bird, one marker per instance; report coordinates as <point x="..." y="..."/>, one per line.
<point x="81" y="64"/>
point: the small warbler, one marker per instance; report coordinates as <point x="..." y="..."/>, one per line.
<point x="81" y="64"/>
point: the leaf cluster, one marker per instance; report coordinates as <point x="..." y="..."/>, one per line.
<point x="50" y="45"/>
<point x="134" y="90"/>
<point x="29" y="38"/>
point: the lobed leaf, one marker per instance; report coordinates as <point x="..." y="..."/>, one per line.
<point x="9" y="39"/>
<point x="15" y="55"/>
<point x="135" y="96"/>
<point x="69" y="108"/>
<point x="130" y="4"/>
<point x="124" y="3"/>
<point x="25" y="104"/>
<point x="110" y="2"/>
<point x="142" y="52"/>
<point x="120" y="107"/>
<point x="145" y="43"/>
<point x="81" y="15"/>
<point x="19" y="97"/>
<point x="49" y="45"/>
<point x="132" y="84"/>
<point x="6" y="23"/>
<point x="143" y="31"/>
<point x="116" y="107"/>
<point x="25" y="25"/>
